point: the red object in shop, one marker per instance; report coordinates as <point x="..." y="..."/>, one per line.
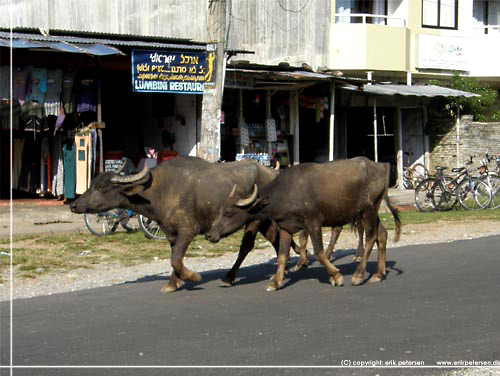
<point x="166" y="155"/>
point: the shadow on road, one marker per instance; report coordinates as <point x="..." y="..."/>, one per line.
<point x="264" y="271"/>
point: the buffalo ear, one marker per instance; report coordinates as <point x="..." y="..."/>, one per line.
<point x="262" y="202"/>
<point x="132" y="189"/>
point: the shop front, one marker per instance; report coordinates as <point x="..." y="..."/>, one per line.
<point x="79" y="105"/>
<point x="274" y="113"/>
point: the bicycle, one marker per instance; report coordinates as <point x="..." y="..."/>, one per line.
<point x="442" y="192"/>
<point x="413" y="174"/>
<point x="106" y="223"/>
<point x="491" y="179"/>
<point x="151" y="228"/>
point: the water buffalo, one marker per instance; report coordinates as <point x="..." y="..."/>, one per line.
<point x="184" y="196"/>
<point x="309" y="196"/>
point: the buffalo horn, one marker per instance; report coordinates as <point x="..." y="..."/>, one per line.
<point x="130" y="178"/>
<point x="247" y="201"/>
<point x="233" y="191"/>
<point x="277" y="167"/>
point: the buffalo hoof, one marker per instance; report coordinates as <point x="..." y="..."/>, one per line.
<point x="337" y="280"/>
<point x="170" y="287"/>
<point x="376" y="278"/>
<point x="226" y="282"/>
<point x="195" y="277"/>
<point x="273" y="286"/>
<point x="356" y="281"/>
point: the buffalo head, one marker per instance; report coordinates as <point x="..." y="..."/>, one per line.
<point x="235" y="213"/>
<point x="109" y="190"/>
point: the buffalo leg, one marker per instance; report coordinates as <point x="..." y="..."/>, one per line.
<point x="283" y="253"/>
<point x="333" y="240"/>
<point x="336" y="278"/>
<point x="301" y="250"/>
<point x="246" y="246"/>
<point x="370" y="223"/>
<point x="361" y="230"/>
<point x="381" y="246"/>
<point x="180" y="271"/>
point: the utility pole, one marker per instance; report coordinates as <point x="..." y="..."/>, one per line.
<point x="209" y="142"/>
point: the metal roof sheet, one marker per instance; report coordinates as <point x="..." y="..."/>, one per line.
<point x="93" y="46"/>
<point x="414" y="90"/>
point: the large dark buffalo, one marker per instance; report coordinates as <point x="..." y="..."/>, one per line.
<point x="309" y="196"/>
<point x="184" y="196"/>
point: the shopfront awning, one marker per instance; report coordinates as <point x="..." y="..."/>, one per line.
<point x="407" y="90"/>
<point x="97" y="45"/>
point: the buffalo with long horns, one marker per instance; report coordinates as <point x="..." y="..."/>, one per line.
<point x="184" y="195"/>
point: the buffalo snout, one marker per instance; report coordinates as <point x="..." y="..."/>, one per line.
<point x="212" y="237"/>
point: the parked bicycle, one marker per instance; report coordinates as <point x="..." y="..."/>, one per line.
<point x="106" y="223"/>
<point x="441" y="192"/>
<point x="491" y="179"/>
<point x="413" y="174"/>
<point x="151" y="228"/>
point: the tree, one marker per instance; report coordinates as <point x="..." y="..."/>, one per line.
<point x="480" y="107"/>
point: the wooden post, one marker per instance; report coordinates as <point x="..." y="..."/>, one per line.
<point x="99" y="117"/>
<point x="399" y="148"/>
<point x="375" y="140"/>
<point x="294" y="124"/>
<point x="331" y="147"/>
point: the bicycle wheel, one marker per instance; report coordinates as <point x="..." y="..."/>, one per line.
<point x="424" y="195"/>
<point x="441" y="198"/>
<point x="129" y="222"/>
<point x="151" y="228"/>
<point x="451" y="195"/>
<point x="418" y="173"/>
<point x="101" y="224"/>
<point x="493" y="182"/>
<point x="474" y="194"/>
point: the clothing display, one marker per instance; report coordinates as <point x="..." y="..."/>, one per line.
<point x="42" y="122"/>
<point x="36" y="92"/>
<point x="69" y="168"/>
<point x="52" y="103"/>
<point x="4" y="82"/>
<point x="86" y="99"/>
<point x="68" y="96"/>
<point x="21" y="83"/>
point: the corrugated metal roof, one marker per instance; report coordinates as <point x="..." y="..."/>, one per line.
<point x="414" y="90"/>
<point x="25" y="38"/>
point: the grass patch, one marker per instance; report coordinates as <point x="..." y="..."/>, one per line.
<point x="457" y="215"/>
<point x="36" y="254"/>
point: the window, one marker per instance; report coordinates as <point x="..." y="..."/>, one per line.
<point x="486" y="16"/>
<point x="442" y="14"/>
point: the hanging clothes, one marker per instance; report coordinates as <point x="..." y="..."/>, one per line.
<point x="4" y="82"/>
<point x="53" y="95"/>
<point x="45" y="180"/>
<point x="57" y="166"/>
<point x="38" y="85"/>
<point x="68" y="97"/>
<point x="69" y="161"/>
<point x="21" y="83"/>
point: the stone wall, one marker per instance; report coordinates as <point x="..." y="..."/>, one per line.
<point x="476" y="139"/>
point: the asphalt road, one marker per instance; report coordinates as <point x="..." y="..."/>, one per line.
<point x="439" y="302"/>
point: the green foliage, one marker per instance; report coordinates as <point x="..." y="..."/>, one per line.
<point x="480" y="107"/>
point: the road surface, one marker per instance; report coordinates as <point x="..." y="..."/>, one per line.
<point x="440" y="302"/>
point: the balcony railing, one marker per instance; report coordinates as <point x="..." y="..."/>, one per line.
<point x="487" y="29"/>
<point x="364" y="16"/>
